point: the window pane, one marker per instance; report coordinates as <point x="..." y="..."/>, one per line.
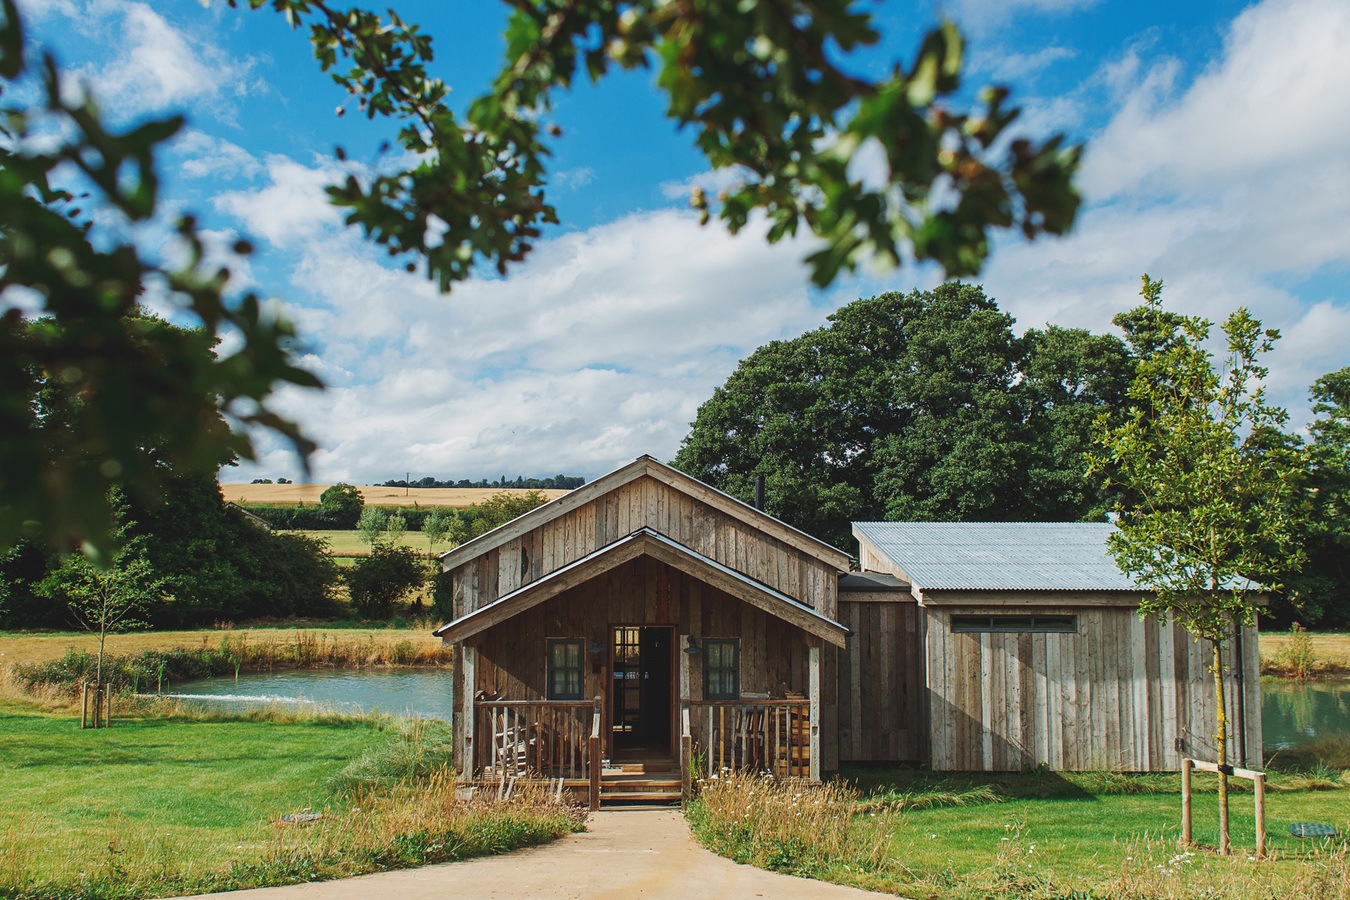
<point x="564" y="669"/>
<point x="721" y="673"/>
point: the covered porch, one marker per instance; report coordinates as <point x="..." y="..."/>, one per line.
<point x="636" y="668"/>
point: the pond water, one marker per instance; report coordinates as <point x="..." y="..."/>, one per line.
<point x="419" y="693"/>
<point x="1293" y="712"/>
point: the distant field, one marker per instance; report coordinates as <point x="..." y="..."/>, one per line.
<point x="350" y="543"/>
<point x="290" y="494"/>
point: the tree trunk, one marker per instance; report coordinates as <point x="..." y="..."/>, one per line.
<point x="98" y="674"/>
<point x="1221" y="741"/>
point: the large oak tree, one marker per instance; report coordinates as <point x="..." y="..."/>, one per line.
<point x="920" y="406"/>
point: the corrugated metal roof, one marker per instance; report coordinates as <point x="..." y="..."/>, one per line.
<point x="1008" y="556"/>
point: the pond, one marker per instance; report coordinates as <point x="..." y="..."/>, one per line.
<point x="418" y="693"/>
<point x="1293" y="712"/>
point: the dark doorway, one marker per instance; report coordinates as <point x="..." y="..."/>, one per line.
<point x="642" y="707"/>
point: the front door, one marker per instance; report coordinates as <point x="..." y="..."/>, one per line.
<point x="642" y="702"/>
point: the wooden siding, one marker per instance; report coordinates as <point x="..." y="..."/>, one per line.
<point x="511" y="661"/>
<point x="1119" y="694"/>
<point x="644" y="502"/>
<point x="881" y="713"/>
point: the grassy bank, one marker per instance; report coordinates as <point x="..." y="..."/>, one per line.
<point x="261" y="648"/>
<point x="1323" y="655"/>
<point x="165" y="805"/>
<point x="1037" y="835"/>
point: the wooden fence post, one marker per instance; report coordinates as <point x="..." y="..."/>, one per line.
<point x="1186" y="766"/>
<point x="84" y="705"/>
<point x="1259" y="788"/>
<point x="595" y="757"/>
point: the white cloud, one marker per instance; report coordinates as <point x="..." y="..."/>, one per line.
<point x="154" y="66"/>
<point x="1002" y="64"/>
<point x="292" y="207"/>
<point x="711" y="182"/>
<point x="572" y="179"/>
<point x="205" y="156"/>
<point x="984" y="15"/>
<point x="1275" y="99"/>
<point x="1230" y="189"/>
<point x="599" y="348"/>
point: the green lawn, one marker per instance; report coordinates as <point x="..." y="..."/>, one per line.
<point x="1085" y="840"/>
<point x="164" y="806"/>
<point x="187" y="795"/>
<point x="1036" y="835"/>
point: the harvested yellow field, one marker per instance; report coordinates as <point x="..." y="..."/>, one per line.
<point x="290" y="494"/>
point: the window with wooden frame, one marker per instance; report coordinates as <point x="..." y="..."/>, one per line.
<point x="722" y="669"/>
<point x="1016" y="624"/>
<point x="565" y="657"/>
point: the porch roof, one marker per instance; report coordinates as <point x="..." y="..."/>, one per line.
<point x="646" y="542"/>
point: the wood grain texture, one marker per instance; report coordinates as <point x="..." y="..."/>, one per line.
<point x="1121" y="693"/>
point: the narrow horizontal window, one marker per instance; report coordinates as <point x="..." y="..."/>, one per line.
<point x="1016" y="624"/>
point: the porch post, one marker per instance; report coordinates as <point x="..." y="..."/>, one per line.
<point x="814" y="668"/>
<point x="467" y="727"/>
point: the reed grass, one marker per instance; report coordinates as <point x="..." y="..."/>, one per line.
<point x="232" y="653"/>
<point x="332" y="643"/>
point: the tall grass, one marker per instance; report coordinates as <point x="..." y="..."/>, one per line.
<point x="154" y="670"/>
<point x="1029" y="836"/>
<point x="790" y="827"/>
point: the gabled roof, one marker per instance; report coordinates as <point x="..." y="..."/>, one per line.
<point x="1007" y="556"/>
<point x="645" y="465"/>
<point x="645" y="542"/>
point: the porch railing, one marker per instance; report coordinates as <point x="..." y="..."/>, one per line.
<point x="522" y="738"/>
<point x="752" y="735"/>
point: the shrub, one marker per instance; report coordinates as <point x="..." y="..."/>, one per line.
<point x="344" y="502"/>
<point x="379" y="581"/>
<point x="1297" y="659"/>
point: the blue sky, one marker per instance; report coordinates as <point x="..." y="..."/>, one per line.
<point x="1217" y="161"/>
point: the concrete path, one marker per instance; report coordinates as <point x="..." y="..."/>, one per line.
<point x="646" y="853"/>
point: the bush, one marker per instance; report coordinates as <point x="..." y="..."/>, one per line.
<point x="344" y="502"/>
<point x="442" y="596"/>
<point x="379" y="581"/>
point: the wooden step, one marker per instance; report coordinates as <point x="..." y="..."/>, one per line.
<point x="626" y="787"/>
<point x="640" y="797"/>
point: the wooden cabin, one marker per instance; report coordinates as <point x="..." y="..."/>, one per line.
<point x="640" y="625"/>
<point x="646" y="627"/>
<point x="1034" y="653"/>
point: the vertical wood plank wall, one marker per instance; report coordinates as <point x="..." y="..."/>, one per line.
<point x="881" y="708"/>
<point x="1120" y="694"/>
<point x="645" y="503"/>
<point x="511" y="660"/>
